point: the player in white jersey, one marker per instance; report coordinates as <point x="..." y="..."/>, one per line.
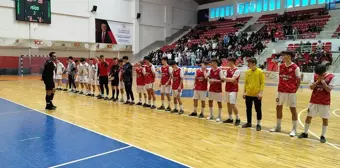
<point x="84" y="76"/>
<point x="92" y="80"/>
<point x="77" y="76"/>
<point x="60" y="68"/>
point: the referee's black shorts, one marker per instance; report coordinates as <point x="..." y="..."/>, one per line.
<point x="103" y="80"/>
<point x="115" y="82"/>
<point x="49" y="84"/>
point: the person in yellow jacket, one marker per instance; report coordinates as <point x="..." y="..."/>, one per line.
<point x="253" y="88"/>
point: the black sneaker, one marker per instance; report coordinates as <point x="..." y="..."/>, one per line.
<point x="81" y="92"/>
<point x="49" y="107"/>
<point x="106" y="98"/>
<point x="246" y="125"/>
<point x="258" y="127"/>
<point x="323" y="139"/>
<point x="174" y="111"/>
<point x="89" y="95"/>
<point x="132" y="103"/>
<point x="115" y="100"/>
<point x="65" y="90"/>
<point x="237" y="122"/>
<point x="153" y="107"/>
<point x="168" y="109"/>
<point x="53" y="105"/>
<point x="161" y="108"/>
<point x="92" y="95"/>
<point x="146" y="105"/>
<point x="228" y="121"/>
<point x="303" y="135"/>
<point x="181" y="112"/>
<point x="76" y="91"/>
<point x="127" y="102"/>
<point x="193" y="114"/>
<point x="99" y="97"/>
<point x="201" y="115"/>
<point x="112" y="98"/>
<point x="139" y="104"/>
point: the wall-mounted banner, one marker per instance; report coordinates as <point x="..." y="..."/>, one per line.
<point x="113" y="32"/>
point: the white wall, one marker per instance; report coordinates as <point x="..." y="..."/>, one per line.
<point x="163" y="18"/>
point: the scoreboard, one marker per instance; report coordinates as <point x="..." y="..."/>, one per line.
<point x="33" y="11"/>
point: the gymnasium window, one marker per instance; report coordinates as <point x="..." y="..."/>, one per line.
<point x="217" y="12"/>
<point x="212" y="13"/>
<point x="259" y="6"/>
<point x="278" y="4"/>
<point x="289" y="3"/>
<point x="312" y="2"/>
<point x="321" y="1"/>
<point x="246" y="7"/>
<point x="222" y="13"/>
<point x="240" y="8"/>
<point x="227" y="11"/>
<point x="265" y="5"/>
<point x="271" y="5"/>
<point x="231" y="10"/>
<point x="304" y="2"/>
<point x="252" y="6"/>
<point x="297" y="3"/>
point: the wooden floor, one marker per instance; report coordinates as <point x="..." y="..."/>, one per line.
<point x="195" y="142"/>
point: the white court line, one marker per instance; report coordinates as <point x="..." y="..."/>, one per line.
<point x="29" y="139"/>
<point x="333" y="145"/>
<point x="334" y="112"/>
<point x="98" y="133"/>
<point x="90" y="157"/>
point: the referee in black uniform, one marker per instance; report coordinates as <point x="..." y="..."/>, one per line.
<point x="127" y="79"/>
<point x="47" y="77"/>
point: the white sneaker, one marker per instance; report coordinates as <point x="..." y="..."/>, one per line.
<point x="276" y="129"/>
<point x="292" y="133"/>
<point x="210" y="118"/>
<point x="218" y="119"/>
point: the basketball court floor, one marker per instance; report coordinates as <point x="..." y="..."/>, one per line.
<point x="86" y="132"/>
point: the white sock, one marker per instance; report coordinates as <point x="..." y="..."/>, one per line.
<point x="278" y="123"/>
<point x="258" y="122"/>
<point x="154" y="103"/>
<point x="306" y="127"/>
<point x="237" y="116"/>
<point x="324" y="130"/>
<point x="230" y="116"/>
<point x="102" y="95"/>
<point x="140" y="100"/>
<point x="145" y="101"/>
<point x="219" y="112"/>
<point x="202" y="110"/>
<point x="175" y="106"/>
<point x="181" y="106"/>
<point x="211" y="111"/>
<point x="294" y="124"/>
<point x="149" y="102"/>
<point x="169" y="102"/>
<point x="195" y="109"/>
<point x="162" y="102"/>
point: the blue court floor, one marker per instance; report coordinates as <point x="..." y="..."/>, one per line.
<point x="30" y="139"/>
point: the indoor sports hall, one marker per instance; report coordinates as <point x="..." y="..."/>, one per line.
<point x="84" y="131"/>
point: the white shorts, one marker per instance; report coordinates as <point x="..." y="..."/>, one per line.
<point x="286" y="98"/>
<point x="176" y="93"/>
<point x="121" y="85"/>
<point x="76" y="79"/>
<point x="318" y="110"/>
<point x="200" y="95"/>
<point x="231" y="97"/>
<point x="58" y="77"/>
<point x="140" y="89"/>
<point x="215" y="96"/>
<point x="83" y="79"/>
<point x="149" y="86"/>
<point x="93" y="81"/>
<point x="165" y="89"/>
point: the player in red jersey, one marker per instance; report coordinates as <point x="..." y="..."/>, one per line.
<point x="216" y="77"/>
<point x="322" y="85"/>
<point x="289" y="83"/>
<point x="140" y="83"/>
<point x="231" y="88"/>
<point x="121" y="83"/>
<point x="150" y="74"/>
<point x="200" y="89"/>
<point x="177" y="86"/>
<point x="165" y="84"/>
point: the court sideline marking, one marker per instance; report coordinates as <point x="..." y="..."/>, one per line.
<point x="301" y="123"/>
<point x="334" y="112"/>
<point x="96" y="132"/>
<point x="90" y="157"/>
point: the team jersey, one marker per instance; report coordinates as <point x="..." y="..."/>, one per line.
<point x="288" y="78"/>
<point x="166" y="73"/>
<point x="49" y="70"/>
<point x="177" y="76"/>
<point x="232" y="86"/>
<point x="319" y="94"/>
<point x="201" y="82"/>
<point x="121" y="71"/>
<point x="93" y="70"/>
<point x="59" y="68"/>
<point x="149" y="74"/>
<point x="140" y="77"/>
<point x="84" y="69"/>
<point x="215" y="77"/>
